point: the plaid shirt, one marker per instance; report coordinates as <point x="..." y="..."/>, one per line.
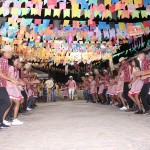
<point x="125" y="68"/>
<point x="4" y="69"/>
<point x="145" y="66"/>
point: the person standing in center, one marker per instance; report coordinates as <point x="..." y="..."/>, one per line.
<point x="71" y="87"/>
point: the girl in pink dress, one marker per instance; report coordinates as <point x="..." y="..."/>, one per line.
<point x="13" y="90"/>
<point x="93" y="88"/>
<point x="65" y="91"/>
<point x="101" y="88"/>
<point x="135" y="85"/>
<point x="109" y="90"/>
<point x="120" y="90"/>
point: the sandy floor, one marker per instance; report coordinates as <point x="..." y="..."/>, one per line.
<point x="78" y="126"/>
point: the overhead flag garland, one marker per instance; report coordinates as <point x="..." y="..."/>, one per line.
<point x="53" y="29"/>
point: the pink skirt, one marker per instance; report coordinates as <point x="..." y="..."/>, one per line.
<point x="101" y="89"/>
<point x="113" y="90"/>
<point x="65" y="93"/>
<point x="136" y="86"/>
<point x="120" y="86"/>
<point x="109" y="89"/>
<point x="93" y="90"/>
<point x="14" y="92"/>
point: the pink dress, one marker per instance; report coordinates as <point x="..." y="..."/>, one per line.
<point x="12" y="89"/>
<point x="137" y="84"/>
<point x="30" y="93"/>
<point x="113" y="90"/>
<point x="120" y="83"/>
<point x="93" y="87"/>
<point x="109" y="87"/>
<point x="65" y="91"/>
<point x="101" y="87"/>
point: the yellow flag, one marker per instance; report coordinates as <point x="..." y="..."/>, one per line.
<point x="87" y="13"/>
<point x="25" y="11"/>
<point x="77" y="13"/>
<point x="66" y="22"/>
<point x="66" y="13"/>
<point x="75" y="7"/>
<point x="144" y="14"/>
<point x="107" y="2"/>
<point x="14" y="11"/>
<point x="128" y="2"/>
<point x="136" y="2"/>
<point x="34" y="11"/>
<point x="47" y="12"/>
<point x="56" y="13"/>
<point x="121" y="26"/>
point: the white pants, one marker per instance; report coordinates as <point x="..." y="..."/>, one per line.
<point x="71" y="93"/>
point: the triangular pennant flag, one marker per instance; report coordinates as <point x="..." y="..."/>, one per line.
<point x="135" y="14"/>
<point x="56" y="13"/>
<point x="25" y="11"/>
<point x="144" y="14"/>
<point x="66" y="22"/>
<point x="47" y="12"/>
<point x="34" y="11"/>
<point x="87" y="13"/>
<point x="66" y="13"/>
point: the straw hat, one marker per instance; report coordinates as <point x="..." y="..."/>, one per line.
<point x="49" y="83"/>
<point x="7" y="48"/>
<point x="122" y="58"/>
<point x="105" y="71"/>
<point x="27" y="66"/>
<point x="87" y="74"/>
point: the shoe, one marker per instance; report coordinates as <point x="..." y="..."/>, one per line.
<point x="6" y="122"/>
<point x="29" y="109"/>
<point x="139" y="112"/>
<point x="17" y="122"/>
<point x="3" y="126"/>
<point x="123" y="108"/>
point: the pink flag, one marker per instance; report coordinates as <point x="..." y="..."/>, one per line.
<point x="29" y="4"/>
<point x="37" y="21"/>
<point x="62" y="5"/>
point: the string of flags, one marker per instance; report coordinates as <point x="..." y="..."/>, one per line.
<point x="69" y="41"/>
<point x="100" y="11"/>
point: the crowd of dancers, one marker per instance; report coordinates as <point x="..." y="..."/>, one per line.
<point x="18" y="88"/>
<point x="127" y="86"/>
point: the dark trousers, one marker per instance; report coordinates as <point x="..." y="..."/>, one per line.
<point x="144" y="96"/>
<point x="125" y="94"/>
<point x="104" y="96"/>
<point x="4" y="102"/>
<point x="86" y="95"/>
<point x="24" y="94"/>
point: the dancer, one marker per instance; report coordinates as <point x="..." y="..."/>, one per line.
<point x="13" y="90"/>
<point x="101" y="88"/>
<point x="86" y="87"/>
<point x="126" y="68"/>
<point x="93" y="88"/>
<point x="4" y="98"/>
<point x="120" y="90"/>
<point x="136" y="85"/>
<point x="71" y="87"/>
